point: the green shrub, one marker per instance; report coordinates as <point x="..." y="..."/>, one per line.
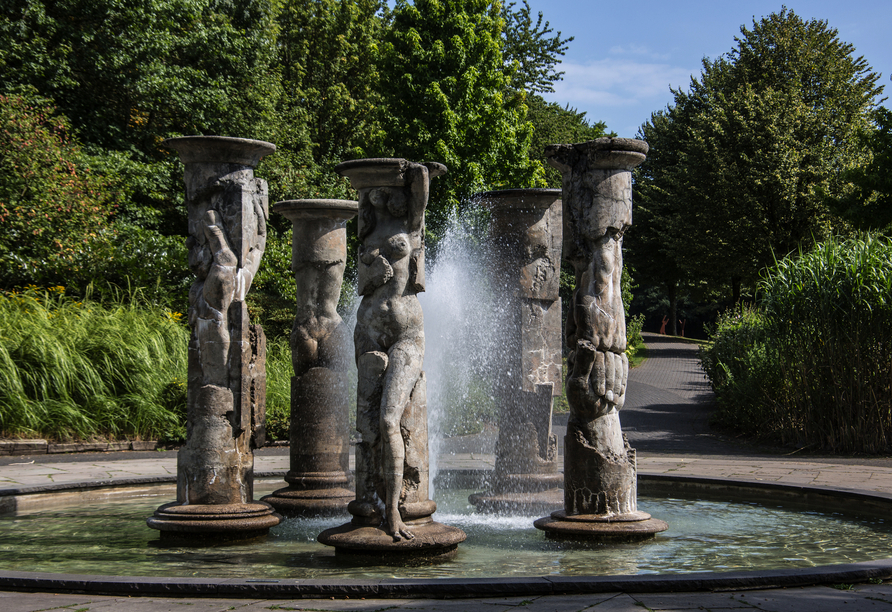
<point x="738" y="363"/>
<point x="78" y="369"/>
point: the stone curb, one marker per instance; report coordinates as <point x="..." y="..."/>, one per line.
<point x="443" y="588"/>
<point x="42" y="447"/>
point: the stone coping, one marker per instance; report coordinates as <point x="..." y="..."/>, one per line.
<point x="42" y="447"/>
<point x="478" y="587"/>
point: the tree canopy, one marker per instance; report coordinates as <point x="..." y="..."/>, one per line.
<point x="755" y="146"/>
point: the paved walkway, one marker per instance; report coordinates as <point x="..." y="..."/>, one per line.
<point x="666" y="420"/>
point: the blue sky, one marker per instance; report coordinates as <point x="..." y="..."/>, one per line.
<point x="626" y="55"/>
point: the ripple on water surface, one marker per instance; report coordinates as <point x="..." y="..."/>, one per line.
<point x="112" y="538"/>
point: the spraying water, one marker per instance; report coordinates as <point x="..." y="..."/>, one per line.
<point x="460" y="324"/>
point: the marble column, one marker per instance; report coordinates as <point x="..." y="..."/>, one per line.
<point x="392" y="512"/>
<point x="600" y="473"/>
<point x="318" y="478"/>
<point x="226" y="393"/>
<point x="525" y="238"/>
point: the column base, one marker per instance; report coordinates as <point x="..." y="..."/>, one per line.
<point x="617" y="527"/>
<point x="434" y="541"/>
<point x="200" y="524"/>
<point x="307" y="503"/>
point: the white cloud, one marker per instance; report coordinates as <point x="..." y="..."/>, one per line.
<point x="638" y="50"/>
<point x="612" y="82"/>
<point x="621" y="92"/>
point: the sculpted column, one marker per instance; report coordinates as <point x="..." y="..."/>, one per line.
<point x="392" y="511"/>
<point x="600" y="473"/>
<point x="320" y="354"/>
<point x="226" y="395"/>
<point x="526" y="242"/>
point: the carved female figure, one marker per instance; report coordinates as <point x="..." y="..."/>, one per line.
<point x="389" y="335"/>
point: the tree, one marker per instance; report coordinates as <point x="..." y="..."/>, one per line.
<point x="868" y="205"/>
<point x="553" y="124"/>
<point x="529" y="52"/>
<point x="327" y="59"/>
<point x="649" y="247"/>
<point x="129" y="74"/>
<point x="447" y="99"/>
<point x="51" y="207"/>
<point x="762" y="136"/>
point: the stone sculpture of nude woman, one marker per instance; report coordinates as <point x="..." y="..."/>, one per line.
<point x="389" y="336"/>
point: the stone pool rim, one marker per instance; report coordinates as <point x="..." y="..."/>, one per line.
<point x="869" y="502"/>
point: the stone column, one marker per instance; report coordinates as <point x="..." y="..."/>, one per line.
<point x="226" y="394"/>
<point x="600" y="474"/>
<point x="526" y="245"/>
<point x="392" y="510"/>
<point x="320" y="353"/>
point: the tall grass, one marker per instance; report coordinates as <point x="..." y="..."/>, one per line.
<point x="81" y="370"/>
<point x="814" y="364"/>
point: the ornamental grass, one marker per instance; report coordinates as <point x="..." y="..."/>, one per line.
<point x="812" y="365"/>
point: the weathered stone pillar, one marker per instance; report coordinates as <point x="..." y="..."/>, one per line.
<point x="526" y="245"/>
<point x="600" y="474"/>
<point x="320" y="353"/>
<point x="392" y="510"/>
<point x="226" y="395"/>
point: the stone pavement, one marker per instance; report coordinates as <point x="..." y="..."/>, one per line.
<point x="855" y="598"/>
<point x="666" y="418"/>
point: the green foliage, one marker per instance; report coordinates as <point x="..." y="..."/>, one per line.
<point x="327" y="56"/>
<point x="530" y="51"/>
<point x="813" y="366"/>
<point x="52" y="207"/>
<point x="76" y="369"/>
<point x="868" y="205"/>
<point x="278" y="389"/>
<point x="129" y="74"/>
<point x="447" y="99"/>
<point x="554" y="124"/>
<point x="755" y="146"/>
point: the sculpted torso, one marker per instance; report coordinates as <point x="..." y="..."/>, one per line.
<point x="389" y="335"/>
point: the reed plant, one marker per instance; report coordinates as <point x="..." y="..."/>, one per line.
<point x="82" y="370"/>
<point x="813" y="365"/>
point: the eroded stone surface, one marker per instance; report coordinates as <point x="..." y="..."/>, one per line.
<point x="525" y="235"/>
<point x="226" y="395"/>
<point x="320" y="349"/>
<point x="600" y="473"/>
<point x="392" y="483"/>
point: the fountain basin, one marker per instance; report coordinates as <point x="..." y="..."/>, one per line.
<point x="287" y="569"/>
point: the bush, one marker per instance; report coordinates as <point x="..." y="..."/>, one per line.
<point x="814" y="366"/>
<point x="51" y="205"/>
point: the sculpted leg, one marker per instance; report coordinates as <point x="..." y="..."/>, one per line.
<point x="405" y="366"/>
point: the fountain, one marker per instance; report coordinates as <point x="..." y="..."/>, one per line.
<point x="226" y="394"/>
<point x="392" y="510"/>
<point x="600" y="473"/>
<point x="526" y="241"/>
<point x="318" y="478"/>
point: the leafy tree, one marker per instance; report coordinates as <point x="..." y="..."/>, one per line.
<point x="130" y="73"/>
<point x="51" y="207"/>
<point x="530" y="52"/>
<point x="447" y="99"/>
<point x="649" y="246"/>
<point x="868" y="205"/>
<point x="552" y="124"/>
<point x="327" y="59"/>
<point x="764" y="133"/>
